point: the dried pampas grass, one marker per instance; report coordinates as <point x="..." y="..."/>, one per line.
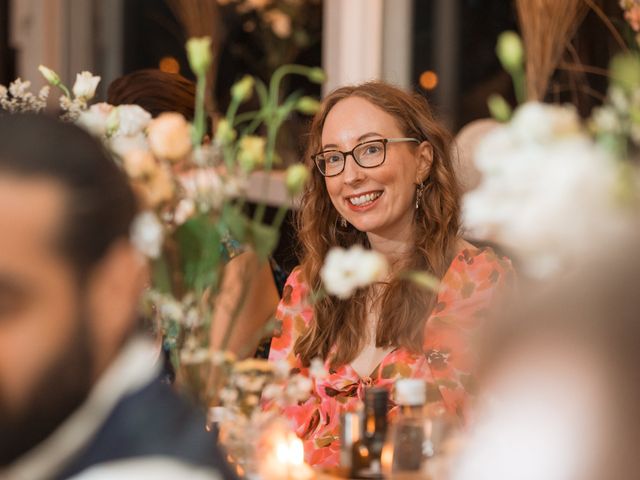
<point x="201" y="18"/>
<point x="547" y="28"/>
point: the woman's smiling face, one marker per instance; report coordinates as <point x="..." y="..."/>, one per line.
<point x="379" y="200"/>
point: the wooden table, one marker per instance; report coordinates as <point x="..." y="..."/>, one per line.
<point x="337" y="475"/>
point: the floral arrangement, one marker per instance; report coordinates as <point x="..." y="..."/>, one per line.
<point x="193" y="223"/>
<point x="17" y="98"/>
<point x="283" y="28"/>
<point x="631" y="10"/>
<point x="554" y="187"/>
<point x="252" y="398"/>
<point x="192" y="192"/>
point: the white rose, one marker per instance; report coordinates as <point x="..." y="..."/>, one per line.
<point x="85" y="86"/>
<point x="95" y="119"/>
<point x="147" y="234"/>
<point x="133" y="120"/>
<point x="344" y="271"/>
<point x="546" y="197"/>
<point x="606" y="119"/>
<point x="618" y="99"/>
<point x="123" y="145"/>
<point x="204" y="186"/>
<point x="539" y="122"/>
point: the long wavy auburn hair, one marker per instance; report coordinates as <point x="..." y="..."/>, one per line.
<point x="403" y="306"/>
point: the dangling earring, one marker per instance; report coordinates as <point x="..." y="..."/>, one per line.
<point x="343" y="222"/>
<point x="419" y="193"/>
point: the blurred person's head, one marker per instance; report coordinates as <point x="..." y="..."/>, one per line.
<point x="155" y="91"/>
<point x="69" y="278"/>
<point x="560" y="381"/>
<point x="466" y="143"/>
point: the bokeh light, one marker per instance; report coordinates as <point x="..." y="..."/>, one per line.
<point x="169" y="65"/>
<point x="429" y="80"/>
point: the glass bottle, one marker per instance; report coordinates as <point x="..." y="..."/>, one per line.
<point x="367" y="451"/>
<point x="408" y="435"/>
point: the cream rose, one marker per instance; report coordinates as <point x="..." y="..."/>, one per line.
<point x="169" y="136"/>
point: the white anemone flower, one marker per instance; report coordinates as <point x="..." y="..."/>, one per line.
<point x="344" y="271"/>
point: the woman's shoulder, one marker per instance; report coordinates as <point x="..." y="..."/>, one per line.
<point x="475" y="270"/>
<point x="480" y="260"/>
<point x="476" y="276"/>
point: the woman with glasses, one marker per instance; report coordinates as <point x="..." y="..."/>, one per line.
<point x="382" y="178"/>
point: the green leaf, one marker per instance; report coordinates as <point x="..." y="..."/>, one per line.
<point x="199" y="242"/>
<point x="236" y="221"/>
<point x="160" y="275"/>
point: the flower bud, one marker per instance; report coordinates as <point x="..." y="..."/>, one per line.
<point x="199" y="55"/>
<point x="296" y="178"/>
<point x="251" y="152"/>
<point x="499" y="108"/>
<point x="113" y="122"/>
<point x="510" y="51"/>
<point x="50" y="76"/>
<point x="225" y="134"/>
<point x="307" y="105"/>
<point x="242" y="89"/>
<point x="424" y="280"/>
<point x="85" y="86"/>
<point x="317" y="75"/>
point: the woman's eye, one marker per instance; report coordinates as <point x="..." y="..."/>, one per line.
<point x="372" y="149"/>
<point x="332" y="158"/>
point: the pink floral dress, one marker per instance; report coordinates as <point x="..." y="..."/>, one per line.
<point x="467" y="289"/>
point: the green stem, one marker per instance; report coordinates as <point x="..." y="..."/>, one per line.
<point x="233" y="110"/>
<point x="199" y="123"/>
<point x="64" y="89"/>
<point x="519" y="85"/>
<point x="249" y="129"/>
<point x="279" y="218"/>
<point x="245" y="117"/>
<point x="268" y="163"/>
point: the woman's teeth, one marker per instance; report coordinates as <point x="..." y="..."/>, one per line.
<point x="364" y="199"/>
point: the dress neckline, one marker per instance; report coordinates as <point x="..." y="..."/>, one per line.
<point x="466" y="251"/>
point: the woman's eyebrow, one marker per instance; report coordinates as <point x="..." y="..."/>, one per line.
<point x="360" y="138"/>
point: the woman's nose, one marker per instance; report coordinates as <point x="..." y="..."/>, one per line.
<point x="353" y="173"/>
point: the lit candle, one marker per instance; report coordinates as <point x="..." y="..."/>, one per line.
<point x="285" y="461"/>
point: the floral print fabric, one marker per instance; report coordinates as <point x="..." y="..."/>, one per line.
<point x="467" y="289"/>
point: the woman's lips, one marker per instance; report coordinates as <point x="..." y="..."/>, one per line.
<point x="363" y="201"/>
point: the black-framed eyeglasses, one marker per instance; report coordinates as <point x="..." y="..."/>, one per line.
<point x="369" y="154"/>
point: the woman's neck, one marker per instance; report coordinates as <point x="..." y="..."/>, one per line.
<point x="394" y="249"/>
